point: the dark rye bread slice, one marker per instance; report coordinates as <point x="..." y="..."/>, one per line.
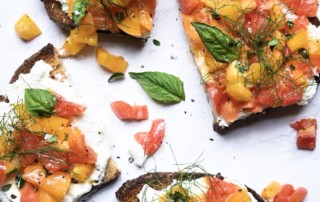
<point x="159" y="180"/>
<point x="49" y="55"/>
<point x="239" y="123"/>
<point x="54" y="10"/>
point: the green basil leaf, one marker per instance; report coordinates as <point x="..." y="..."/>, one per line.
<point x="19" y="181"/>
<point x="6" y="187"/>
<point x="116" y="76"/>
<point x="79" y="10"/>
<point x="222" y="47"/>
<point x="162" y="87"/>
<point x="39" y="102"/>
<point x="156" y="42"/>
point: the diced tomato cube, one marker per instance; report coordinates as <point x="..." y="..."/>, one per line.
<point x="306" y="136"/>
<point x="28" y="193"/>
<point x="79" y="151"/>
<point x="124" y="111"/>
<point x="65" y="108"/>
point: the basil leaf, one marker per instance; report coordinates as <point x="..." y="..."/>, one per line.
<point x="19" y="181"/>
<point x="222" y="47"/>
<point x="116" y="76"/>
<point x="79" y="10"/>
<point x="162" y="87"/>
<point x="39" y="102"/>
<point x="6" y="187"/>
<point x="156" y="42"/>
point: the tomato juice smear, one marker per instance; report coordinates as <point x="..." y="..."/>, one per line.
<point x="284" y="82"/>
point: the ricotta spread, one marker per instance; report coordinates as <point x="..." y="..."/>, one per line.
<point x="93" y="130"/>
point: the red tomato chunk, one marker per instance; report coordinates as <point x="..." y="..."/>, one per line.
<point x="306" y="136"/>
<point x="124" y="111"/>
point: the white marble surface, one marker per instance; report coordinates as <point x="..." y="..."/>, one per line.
<point x="259" y="152"/>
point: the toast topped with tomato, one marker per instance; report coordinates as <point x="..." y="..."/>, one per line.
<point x="130" y="17"/>
<point x="253" y="55"/>
<point x="181" y="186"/>
<point x="52" y="148"/>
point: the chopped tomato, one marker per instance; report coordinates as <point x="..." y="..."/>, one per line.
<point x="65" y="108"/>
<point x="301" y="22"/>
<point x="101" y="17"/>
<point x="35" y="174"/>
<point x="124" y="111"/>
<point x="2" y="172"/>
<point x="187" y="6"/>
<point x="255" y="22"/>
<point x="152" y="140"/>
<point x="217" y="98"/>
<point x="219" y="190"/>
<point x="298" y="195"/>
<point x="79" y="151"/>
<point x="304" y="123"/>
<point x="267" y="96"/>
<point x="54" y="160"/>
<point x="288" y="194"/>
<point x="28" y="193"/>
<point x="286" y="191"/>
<point x="303" y="7"/>
<point x="306" y="136"/>
<point x="288" y="93"/>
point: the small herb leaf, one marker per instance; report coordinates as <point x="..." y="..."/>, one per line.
<point x="162" y="87"/>
<point x="116" y="76"/>
<point x="273" y="42"/>
<point x="156" y="42"/>
<point x="79" y="10"/>
<point x="19" y="181"/>
<point x="51" y="138"/>
<point x="39" y="102"/>
<point x="6" y="187"/>
<point x="222" y="47"/>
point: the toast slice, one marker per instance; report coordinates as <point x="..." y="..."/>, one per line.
<point x="252" y="57"/>
<point x="115" y="16"/>
<point x="170" y="181"/>
<point x="48" y="54"/>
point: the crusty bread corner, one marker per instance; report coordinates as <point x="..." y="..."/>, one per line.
<point x="56" y="14"/>
<point x="159" y="180"/>
<point x="49" y="55"/>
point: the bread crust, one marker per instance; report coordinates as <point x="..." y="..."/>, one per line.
<point x="49" y="55"/>
<point x="130" y="189"/>
<point x="57" y="15"/>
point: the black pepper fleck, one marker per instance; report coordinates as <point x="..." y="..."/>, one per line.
<point x="192" y="100"/>
<point x="131" y="160"/>
<point x="13" y="196"/>
<point x="211" y="139"/>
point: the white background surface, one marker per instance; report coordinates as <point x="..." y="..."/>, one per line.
<point x="255" y="154"/>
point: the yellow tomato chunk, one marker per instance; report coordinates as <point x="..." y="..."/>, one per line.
<point x="57" y="185"/>
<point x="299" y="40"/>
<point x="131" y="24"/>
<point x="26" y="28"/>
<point x="35" y="174"/>
<point x="239" y="92"/>
<point x="271" y="190"/>
<point x="111" y="62"/>
<point x="241" y="195"/>
<point x="82" y="172"/>
<point x="44" y="196"/>
<point x="70" y="48"/>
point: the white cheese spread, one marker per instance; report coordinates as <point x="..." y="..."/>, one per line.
<point x="93" y="130"/>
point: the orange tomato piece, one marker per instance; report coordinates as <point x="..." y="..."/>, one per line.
<point x="79" y="151"/>
<point x="65" y="108"/>
<point x="28" y="193"/>
<point x="57" y="185"/>
<point x="35" y="174"/>
<point x="307" y="131"/>
<point x="220" y="190"/>
<point x="152" y="140"/>
<point x="187" y="6"/>
<point x="298" y="195"/>
<point x="124" y="111"/>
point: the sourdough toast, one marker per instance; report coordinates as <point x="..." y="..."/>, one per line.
<point x="49" y="55"/>
<point x="160" y="180"/>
